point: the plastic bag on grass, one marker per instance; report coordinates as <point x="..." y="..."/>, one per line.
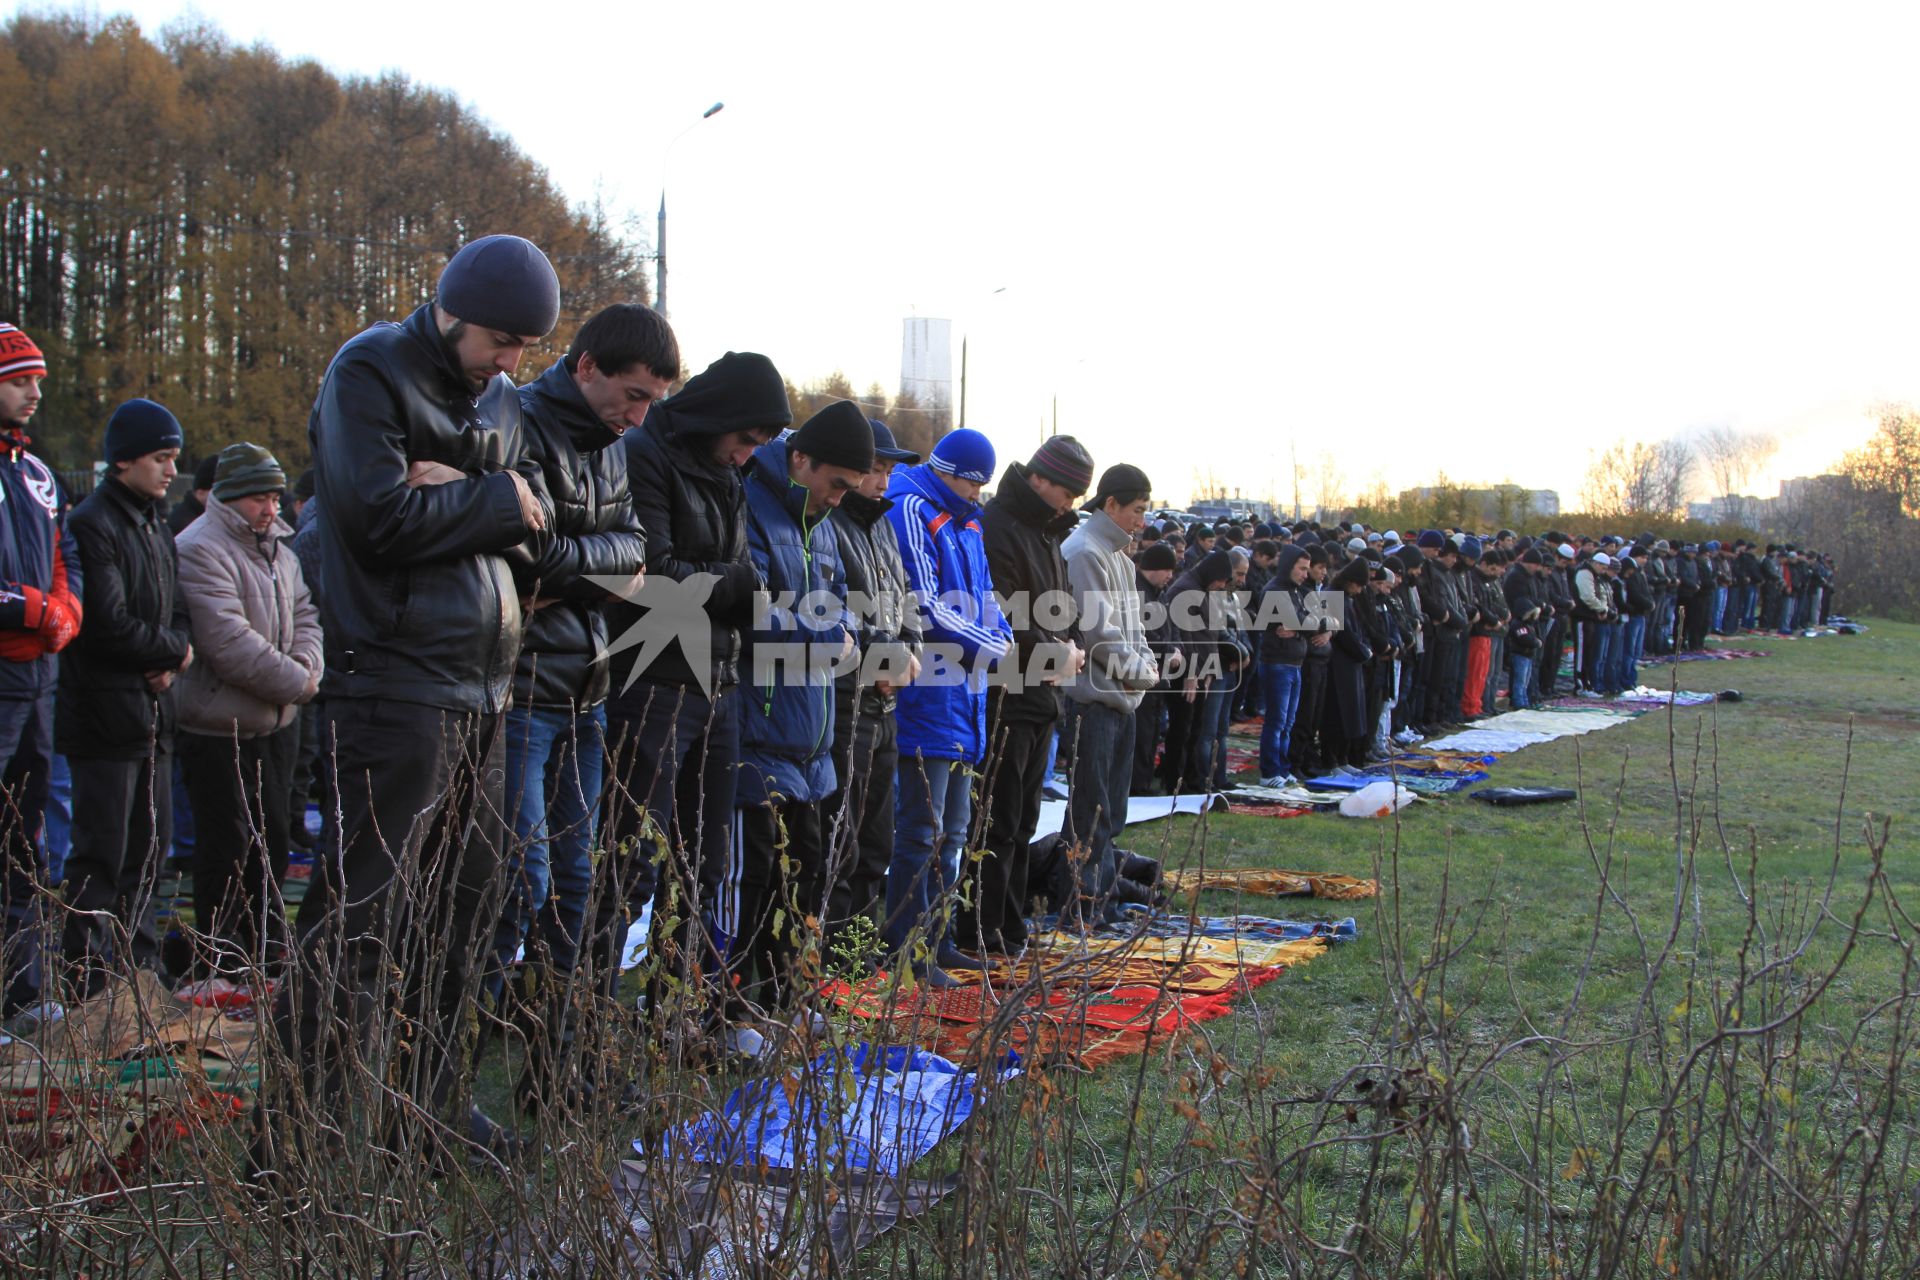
<point x="1376" y="800"/>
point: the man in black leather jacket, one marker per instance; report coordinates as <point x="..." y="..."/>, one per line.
<point x="673" y="728"/>
<point x="621" y="362"/>
<point x="426" y="495"/>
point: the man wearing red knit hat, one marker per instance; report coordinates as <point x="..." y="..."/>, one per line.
<point x="39" y="615"/>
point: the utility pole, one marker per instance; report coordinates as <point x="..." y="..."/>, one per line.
<point x="660" y="258"/>
<point x="660" y="235"/>
<point x="963" y="379"/>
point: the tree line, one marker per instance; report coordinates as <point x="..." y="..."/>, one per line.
<point x="204" y="224"/>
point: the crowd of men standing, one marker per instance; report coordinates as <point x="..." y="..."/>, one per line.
<point x="562" y="656"/>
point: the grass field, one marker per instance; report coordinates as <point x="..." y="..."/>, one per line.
<point x="1663" y="1031"/>
<point x="1688" y="812"/>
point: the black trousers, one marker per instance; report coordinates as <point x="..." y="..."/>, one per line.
<point x="1546" y="666"/>
<point x="239" y="790"/>
<point x="668" y="822"/>
<point x="994" y="906"/>
<point x="122" y="826"/>
<point x="1183" y="727"/>
<point x="26" y="749"/>
<point x="778" y="909"/>
<point x="1304" y="747"/>
<point x="399" y="918"/>
<point x="859" y="819"/>
<point x="1443" y="687"/>
<point x="1146" y="740"/>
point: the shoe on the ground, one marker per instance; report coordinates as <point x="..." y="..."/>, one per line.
<point x="1132" y="891"/>
<point x="932" y="975"/>
<point x="952" y="957"/>
<point x="493" y="1144"/>
<point x="1138" y="868"/>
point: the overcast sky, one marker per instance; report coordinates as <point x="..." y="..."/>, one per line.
<point x="1481" y="239"/>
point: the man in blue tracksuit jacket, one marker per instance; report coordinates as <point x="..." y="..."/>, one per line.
<point x="801" y="629"/>
<point x="943" y="714"/>
<point x="40" y="593"/>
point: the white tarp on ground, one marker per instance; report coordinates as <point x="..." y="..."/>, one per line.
<point x="1053" y="813"/>
<point x="1515" y="730"/>
<point x="1557" y="723"/>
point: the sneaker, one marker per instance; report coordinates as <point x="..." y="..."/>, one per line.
<point x="494" y="1145"/>
<point x="1277" y="781"/>
<point x="744" y="1042"/>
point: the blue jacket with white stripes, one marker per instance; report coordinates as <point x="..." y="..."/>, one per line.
<point x="943" y="715"/>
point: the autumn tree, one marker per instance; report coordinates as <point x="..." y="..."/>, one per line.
<point x="205" y="225"/>
<point x="1889" y="462"/>
<point x="1731" y="459"/>
<point x="1634" y="478"/>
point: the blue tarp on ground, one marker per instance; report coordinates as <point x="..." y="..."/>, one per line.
<point x="860" y="1109"/>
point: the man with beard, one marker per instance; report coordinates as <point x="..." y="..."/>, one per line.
<point x="40" y="593"/>
<point x="427" y="495"/>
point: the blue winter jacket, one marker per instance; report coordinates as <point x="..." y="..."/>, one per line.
<point x="35" y="544"/>
<point x="941" y="717"/>
<point x="786" y="720"/>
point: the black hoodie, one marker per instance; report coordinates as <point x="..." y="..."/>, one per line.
<point x="694" y="510"/>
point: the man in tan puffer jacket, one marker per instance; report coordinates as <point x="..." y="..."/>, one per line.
<point x="256" y="634"/>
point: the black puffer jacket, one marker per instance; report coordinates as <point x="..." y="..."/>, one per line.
<point x="694" y="511"/>
<point x="563" y="660"/>
<point x="419" y="603"/>
<point x="104" y="709"/>
<point x="1023" y="537"/>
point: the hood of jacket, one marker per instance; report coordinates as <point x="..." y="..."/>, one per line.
<point x="741" y="391"/>
<point x="559" y="401"/>
<point x="770" y="463"/>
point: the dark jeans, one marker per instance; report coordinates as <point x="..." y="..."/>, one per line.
<point x="1097" y="800"/>
<point x="1280" y="685"/>
<point x="673" y="760"/>
<point x="26" y="747"/>
<point x="1183" y="730"/>
<point x="122" y="824"/>
<point x="239" y="790"/>
<point x="859" y="819"/>
<point x="929" y="832"/>
<point x="402" y="913"/>
<point x="1010" y="791"/>
<point x="555" y="758"/>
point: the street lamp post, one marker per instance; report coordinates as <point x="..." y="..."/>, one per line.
<point x="660" y="236"/>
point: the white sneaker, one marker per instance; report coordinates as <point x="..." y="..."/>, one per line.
<point x="744" y="1042"/>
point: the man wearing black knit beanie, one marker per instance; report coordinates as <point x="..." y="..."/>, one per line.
<point x="427" y="494"/>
